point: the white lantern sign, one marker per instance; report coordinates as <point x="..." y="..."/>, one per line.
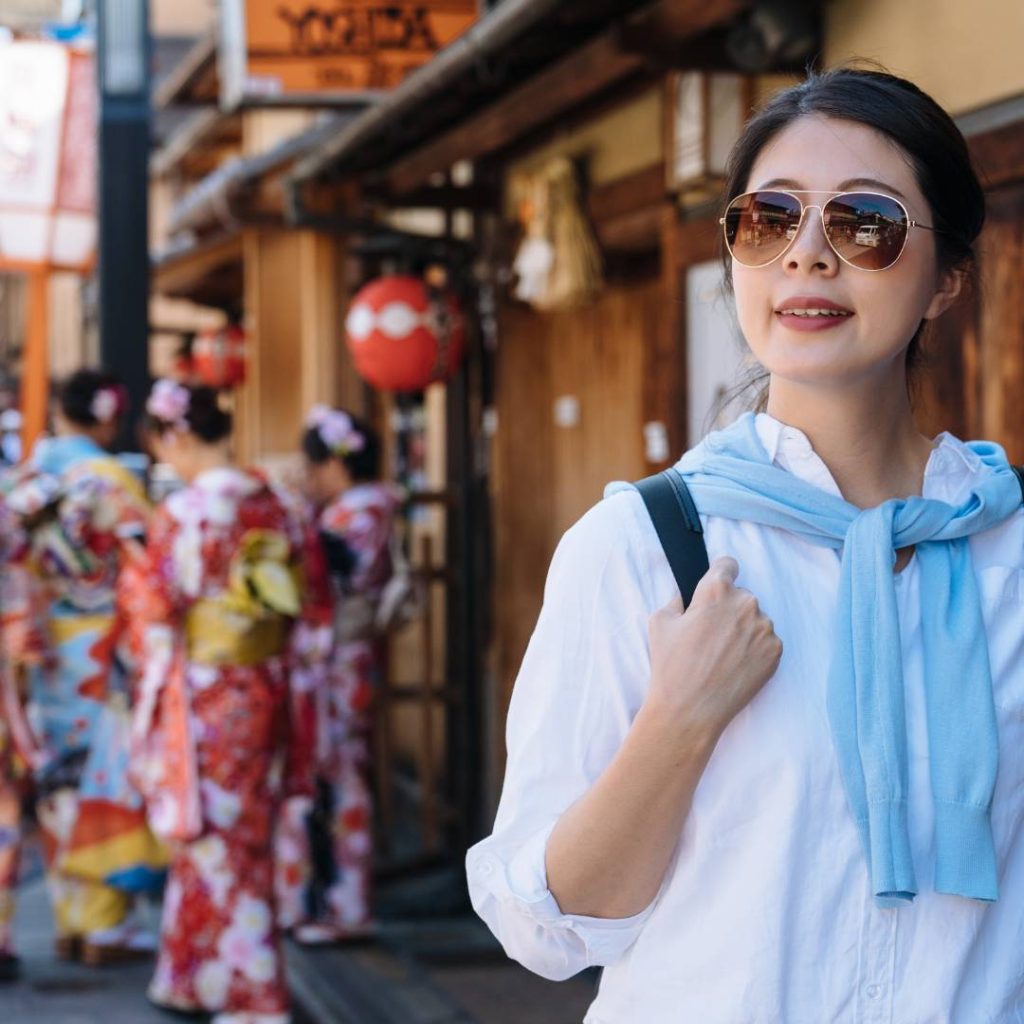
<point x="47" y="156"/>
<point x="706" y="113"/>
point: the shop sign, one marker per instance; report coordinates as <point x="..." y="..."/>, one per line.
<point x="47" y="156"/>
<point x="300" y="52"/>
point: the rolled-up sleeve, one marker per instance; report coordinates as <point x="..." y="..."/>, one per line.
<point x="581" y="683"/>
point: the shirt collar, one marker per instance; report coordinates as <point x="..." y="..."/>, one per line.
<point x="949" y="475"/>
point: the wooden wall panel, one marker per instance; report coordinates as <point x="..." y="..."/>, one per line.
<point x="545" y="476"/>
<point x="522" y="485"/>
<point x="1001" y="323"/>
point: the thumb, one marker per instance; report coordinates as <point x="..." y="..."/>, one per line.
<point x="722" y="570"/>
<point x="674" y="607"/>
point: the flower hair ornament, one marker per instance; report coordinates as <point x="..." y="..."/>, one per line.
<point x="336" y="429"/>
<point x="107" y="403"/>
<point x="169" y="402"/>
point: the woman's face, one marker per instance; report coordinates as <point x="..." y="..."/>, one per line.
<point x="885" y="307"/>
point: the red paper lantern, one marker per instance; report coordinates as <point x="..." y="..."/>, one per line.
<point x="402" y="336"/>
<point x="218" y="357"/>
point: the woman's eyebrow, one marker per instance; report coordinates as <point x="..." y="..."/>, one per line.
<point x="873" y="183"/>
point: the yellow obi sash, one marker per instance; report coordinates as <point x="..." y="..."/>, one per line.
<point x="248" y="623"/>
<point x="217" y="634"/>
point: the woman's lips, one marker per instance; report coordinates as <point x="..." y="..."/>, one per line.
<point x="821" y="319"/>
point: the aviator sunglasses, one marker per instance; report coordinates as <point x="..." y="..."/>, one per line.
<point x="867" y="230"/>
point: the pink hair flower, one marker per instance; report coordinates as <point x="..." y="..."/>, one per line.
<point x="336" y="430"/>
<point x="169" y="402"/>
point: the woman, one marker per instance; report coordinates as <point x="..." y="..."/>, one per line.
<point x="22" y="644"/>
<point x="230" y="610"/>
<point x="731" y="807"/>
<point x="79" y="509"/>
<point x="342" y="466"/>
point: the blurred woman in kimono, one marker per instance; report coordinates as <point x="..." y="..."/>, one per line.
<point x="19" y="751"/>
<point x="356" y="521"/>
<point x="230" y="609"/>
<point x="80" y="511"/>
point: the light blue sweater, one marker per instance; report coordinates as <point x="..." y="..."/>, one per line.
<point x="731" y="475"/>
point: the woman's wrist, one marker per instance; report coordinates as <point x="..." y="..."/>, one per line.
<point x="678" y="727"/>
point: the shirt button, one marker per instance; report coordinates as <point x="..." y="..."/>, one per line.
<point x="873" y="991"/>
<point x="485" y="868"/>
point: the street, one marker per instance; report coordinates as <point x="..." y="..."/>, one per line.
<point x="52" y="992"/>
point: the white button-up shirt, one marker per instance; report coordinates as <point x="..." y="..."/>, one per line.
<point x="765" y="915"/>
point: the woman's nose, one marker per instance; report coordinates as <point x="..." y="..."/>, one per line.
<point x="810" y="248"/>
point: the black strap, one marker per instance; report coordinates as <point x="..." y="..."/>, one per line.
<point x="677" y="524"/>
<point x="1019" y="471"/>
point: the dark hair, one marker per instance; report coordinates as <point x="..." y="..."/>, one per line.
<point x="362" y="465"/>
<point x="76" y="393"/>
<point x="907" y="116"/>
<point x="205" y="417"/>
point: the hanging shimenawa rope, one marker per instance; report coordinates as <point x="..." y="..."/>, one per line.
<point x="559" y="263"/>
<point x="575" y="276"/>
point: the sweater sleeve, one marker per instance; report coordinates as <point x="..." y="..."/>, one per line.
<point x="581" y="683"/>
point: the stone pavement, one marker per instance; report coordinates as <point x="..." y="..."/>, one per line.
<point x="442" y="971"/>
<point x="51" y="992"/>
<point x="435" y="971"/>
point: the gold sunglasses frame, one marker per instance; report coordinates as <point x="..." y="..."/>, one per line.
<point x="804" y="207"/>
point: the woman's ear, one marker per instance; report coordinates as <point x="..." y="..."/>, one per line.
<point x="951" y="283"/>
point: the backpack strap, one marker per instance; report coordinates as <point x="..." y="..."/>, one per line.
<point x="677" y="524"/>
<point x="1019" y="472"/>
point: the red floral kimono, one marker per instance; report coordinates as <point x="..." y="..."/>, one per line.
<point x="19" y="750"/>
<point x="230" y="610"/>
<point x="356" y="529"/>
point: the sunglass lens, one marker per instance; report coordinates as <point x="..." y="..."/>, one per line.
<point x="760" y="225"/>
<point x="868" y="231"/>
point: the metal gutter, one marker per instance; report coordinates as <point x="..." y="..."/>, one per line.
<point x="212" y="199"/>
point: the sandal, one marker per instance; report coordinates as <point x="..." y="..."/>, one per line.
<point x="67" y="947"/>
<point x="322" y="933"/>
<point x="119" y="945"/>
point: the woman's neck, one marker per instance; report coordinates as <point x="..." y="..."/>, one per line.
<point x="867" y="437"/>
<point x="212" y="457"/>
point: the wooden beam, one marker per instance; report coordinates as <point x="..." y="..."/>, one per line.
<point x="208" y="129"/>
<point x="579" y="76"/>
<point x="443" y="197"/>
<point x="683" y="19"/>
<point x="35" y="378"/>
<point x="635" y="231"/>
<point x="628" y="195"/>
<point x="194" y="79"/>
<point x="999" y="155"/>
<point x="179" y="273"/>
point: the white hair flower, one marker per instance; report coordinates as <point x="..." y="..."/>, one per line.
<point x="336" y="430"/>
<point x="105" y="404"/>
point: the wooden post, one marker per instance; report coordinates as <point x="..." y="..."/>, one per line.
<point x="35" y="374"/>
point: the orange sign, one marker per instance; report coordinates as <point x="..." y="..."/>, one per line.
<point x="315" y="48"/>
